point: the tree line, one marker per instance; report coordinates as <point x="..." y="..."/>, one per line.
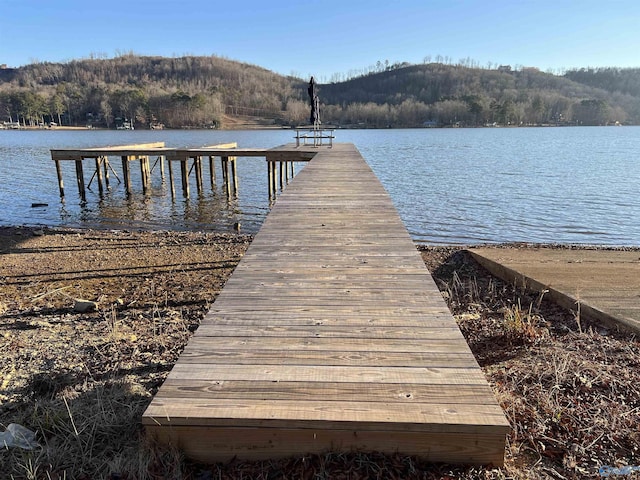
<point x="178" y="92"/>
<point x="201" y="91"/>
<point x="440" y="94"/>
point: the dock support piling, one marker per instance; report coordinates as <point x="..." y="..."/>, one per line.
<point x="197" y="161"/>
<point x="147" y="171"/>
<point x="143" y="176"/>
<point x="161" y="160"/>
<point x="105" y="163"/>
<point x="60" y="181"/>
<point x="275" y="180"/>
<point x="80" y="180"/>
<point x="234" y="174"/>
<point x="99" y="175"/>
<point x="184" y="170"/>
<point x="126" y="174"/>
<point x="212" y="173"/>
<point x="282" y="171"/>
<point x="223" y="169"/>
<point x="172" y="186"/>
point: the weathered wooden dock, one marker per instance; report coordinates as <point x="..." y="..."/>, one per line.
<point x="329" y="336"/>
<point x="190" y="160"/>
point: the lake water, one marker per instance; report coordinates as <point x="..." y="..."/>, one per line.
<point x="451" y="186"/>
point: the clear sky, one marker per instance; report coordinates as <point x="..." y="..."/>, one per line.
<point x="315" y="37"/>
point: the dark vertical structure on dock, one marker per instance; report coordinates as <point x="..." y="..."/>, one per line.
<point x="314" y="118"/>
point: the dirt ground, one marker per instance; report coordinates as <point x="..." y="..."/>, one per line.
<point x="81" y="380"/>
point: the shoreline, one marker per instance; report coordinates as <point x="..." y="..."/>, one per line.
<point x="150" y="291"/>
<point x="37" y="230"/>
<point x="241" y="125"/>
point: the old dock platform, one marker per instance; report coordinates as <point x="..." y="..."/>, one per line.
<point x="330" y="335"/>
<point x="189" y="159"/>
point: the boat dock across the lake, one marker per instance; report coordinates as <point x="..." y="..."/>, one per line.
<point x="330" y="335"/>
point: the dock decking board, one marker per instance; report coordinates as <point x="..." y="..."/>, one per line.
<point x="329" y="335"/>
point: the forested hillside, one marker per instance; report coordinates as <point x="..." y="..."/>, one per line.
<point x="204" y="91"/>
<point x="178" y="92"/>
<point x="449" y="94"/>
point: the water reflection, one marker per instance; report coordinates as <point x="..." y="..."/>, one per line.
<point x="568" y="185"/>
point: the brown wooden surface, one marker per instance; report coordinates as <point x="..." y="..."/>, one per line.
<point x="605" y="284"/>
<point x="154" y="148"/>
<point x="330" y="334"/>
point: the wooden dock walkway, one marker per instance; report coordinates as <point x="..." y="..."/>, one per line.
<point x="329" y="336"/>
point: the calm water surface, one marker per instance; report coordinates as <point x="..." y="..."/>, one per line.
<point x="451" y="186"/>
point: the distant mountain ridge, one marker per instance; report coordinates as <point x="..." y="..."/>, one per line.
<point x="205" y="91"/>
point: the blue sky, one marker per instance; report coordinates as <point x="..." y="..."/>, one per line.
<point x="320" y="38"/>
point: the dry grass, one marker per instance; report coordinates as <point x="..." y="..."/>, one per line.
<point x="571" y="391"/>
<point x="82" y="381"/>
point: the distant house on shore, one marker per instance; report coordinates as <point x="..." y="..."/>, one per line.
<point x="123" y="124"/>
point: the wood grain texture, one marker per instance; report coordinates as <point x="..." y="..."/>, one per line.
<point x="330" y="334"/>
<point x="210" y="444"/>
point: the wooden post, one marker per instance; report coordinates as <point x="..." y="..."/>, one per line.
<point x="126" y="174"/>
<point x="145" y="164"/>
<point x="60" y="181"/>
<point x="184" y="168"/>
<point x="234" y="174"/>
<point x="292" y="172"/>
<point x="173" y="188"/>
<point x="99" y="175"/>
<point x="198" y="166"/>
<point x="143" y="175"/>
<point x="274" y="179"/>
<point x="223" y="169"/>
<point x="269" y="174"/>
<point x="80" y="180"/>
<point x="225" y="173"/>
<point x="105" y="163"/>
<point x="281" y="176"/>
<point x="212" y="173"/>
<point x="161" y="160"/>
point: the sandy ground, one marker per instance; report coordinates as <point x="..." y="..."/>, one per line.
<point x="81" y="380"/>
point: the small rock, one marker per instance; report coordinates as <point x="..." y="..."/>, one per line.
<point x="83" y="306"/>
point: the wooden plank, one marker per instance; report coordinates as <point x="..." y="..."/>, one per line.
<point x="405" y="395"/>
<point x="439" y="317"/>
<point x="330" y="324"/>
<point x="331" y="373"/>
<point x="153" y="148"/>
<point x="282" y="345"/>
<point x="337" y="333"/>
<point x="213" y="445"/>
<point x="208" y="353"/>
<point x="380" y="416"/>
